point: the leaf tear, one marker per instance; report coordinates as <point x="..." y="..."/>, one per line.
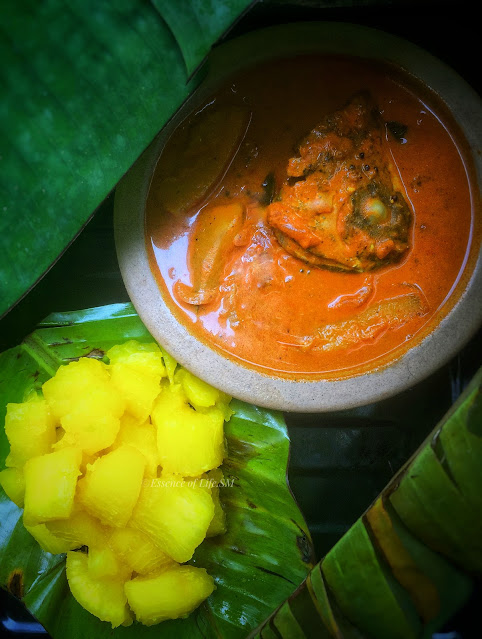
<point x="305" y="548"/>
<point x="474" y="416"/>
<point x="95" y="353"/>
<point x="277" y="574"/>
<point x="15" y="583"/>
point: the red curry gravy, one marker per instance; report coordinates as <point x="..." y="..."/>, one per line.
<point x="270" y="309"/>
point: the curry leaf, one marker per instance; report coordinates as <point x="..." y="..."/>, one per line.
<point x="398" y="131"/>
<point x="86" y="85"/>
<point x="262" y="558"/>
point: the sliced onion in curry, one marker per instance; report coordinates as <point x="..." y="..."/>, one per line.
<point x="214" y="234"/>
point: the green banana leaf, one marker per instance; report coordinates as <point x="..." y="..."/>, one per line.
<point x="196" y="24"/>
<point x="409" y="563"/>
<point x="263" y="557"/>
<point x="86" y="86"/>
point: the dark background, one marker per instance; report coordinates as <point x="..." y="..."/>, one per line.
<point x="340" y="461"/>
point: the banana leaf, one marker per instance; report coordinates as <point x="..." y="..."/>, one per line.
<point x="409" y="563"/>
<point x="196" y="24"/>
<point x="263" y="557"/>
<point x="86" y="86"/>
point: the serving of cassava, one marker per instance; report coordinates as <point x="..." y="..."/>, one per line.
<point x="118" y="465"/>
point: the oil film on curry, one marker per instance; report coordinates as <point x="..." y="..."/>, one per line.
<point x="313" y="217"/>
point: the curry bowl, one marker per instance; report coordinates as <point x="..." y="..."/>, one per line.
<point x="335" y="261"/>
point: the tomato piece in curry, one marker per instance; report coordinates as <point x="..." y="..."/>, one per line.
<point x="313" y="217"/>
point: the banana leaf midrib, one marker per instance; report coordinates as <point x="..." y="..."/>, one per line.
<point x="39" y="352"/>
<point x="431" y="579"/>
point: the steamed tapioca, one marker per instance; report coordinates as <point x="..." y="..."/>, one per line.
<point x="136" y="370"/>
<point x="99" y="467"/>
<point x="12" y="481"/>
<point x="190" y="441"/>
<point x="30" y="428"/>
<point x="103" y="597"/>
<point x="80" y="529"/>
<point x="143" y="437"/>
<point x="102" y="562"/>
<point x="174" y="515"/>
<point x="110" y="488"/>
<point x="72" y="383"/>
<point x="48" y="541"/>
<point x="170" y="594"/>
<point x="50" y="484"/>
<point x="86" y="404"/>
<point x="137" y="550"/>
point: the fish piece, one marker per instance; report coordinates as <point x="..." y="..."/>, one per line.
<point x="342" y="205"/>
